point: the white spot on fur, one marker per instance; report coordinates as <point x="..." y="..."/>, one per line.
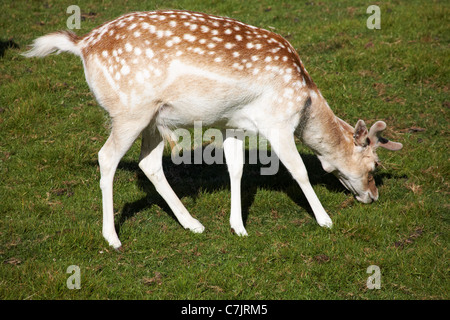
<point x="125" y="70"/>
<point x="238" y="66"/>
<point x="199" y="51"/>
<point x="149" y="27"/>
<point x="229" y="45"/>
<point x="288" y="92"/>
<point x="140" y="77"/>
<point x="189" y="37"/>
<point x="149" y="53"/>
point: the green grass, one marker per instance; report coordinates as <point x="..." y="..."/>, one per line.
<point x="51" y="130"/>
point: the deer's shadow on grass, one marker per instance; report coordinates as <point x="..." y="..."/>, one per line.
<point x="188" y="180"/>
<point x="5" y="45"/>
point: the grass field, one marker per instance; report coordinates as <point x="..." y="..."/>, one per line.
<point x="52" y="129"/>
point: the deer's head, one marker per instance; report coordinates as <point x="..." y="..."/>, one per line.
<point x="355" y="170"/>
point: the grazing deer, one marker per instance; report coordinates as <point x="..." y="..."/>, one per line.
<point x="160" y="70"/>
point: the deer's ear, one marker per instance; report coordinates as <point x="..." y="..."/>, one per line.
<point x="361" y="134"/>
<point x="376" y="140"/>
<point x="345" y="125"/>
<point x="389" y="145"/>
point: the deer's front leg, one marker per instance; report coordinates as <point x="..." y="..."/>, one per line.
<point x="234" y="155"/>
<point x="284" y="146"/>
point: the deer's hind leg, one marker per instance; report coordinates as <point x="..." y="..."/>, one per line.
<point x="125" y="130"/>
<point x="151" y="164"/>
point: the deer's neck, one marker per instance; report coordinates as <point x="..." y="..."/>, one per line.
<point x="322" y="131"/>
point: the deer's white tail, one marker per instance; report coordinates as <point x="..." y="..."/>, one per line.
<point x="57" y="41"/>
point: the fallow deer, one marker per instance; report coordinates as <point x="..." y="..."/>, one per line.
<point x="160" y="70"/>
